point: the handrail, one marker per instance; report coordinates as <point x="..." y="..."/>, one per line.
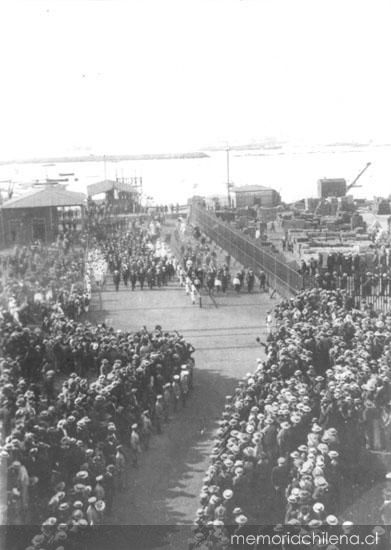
<point x="281" y="275"/>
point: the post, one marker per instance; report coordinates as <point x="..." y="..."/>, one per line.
<point x="228" y="182"/>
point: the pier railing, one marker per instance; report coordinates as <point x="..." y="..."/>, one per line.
<point x="280" y="275"/>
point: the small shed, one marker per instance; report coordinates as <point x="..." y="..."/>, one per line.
<point x="251" y="195"/>
<point x="40" y="215"/>
<point x="331" y="187"/>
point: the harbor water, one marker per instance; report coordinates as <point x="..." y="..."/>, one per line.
<point x="292" y="172"/>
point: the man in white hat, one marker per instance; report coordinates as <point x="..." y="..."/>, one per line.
<point x="176" y="391"/>
<point x="347" y="527"/>
<point x="100" y="507"/>
<point x="184" y="383"/>
<point x="23" y="482"/>
<point x="92" y="513"/>
<point x="146" y="429"/>
<point x="167" y="400"/>
<point x="135" y="446"/>
<point x="228" y="504"/>
<point x="318" y="511"/>
<point x="159" y="413"/>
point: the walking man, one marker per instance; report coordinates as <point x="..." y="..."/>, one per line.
<point x="135" y="446"/>
<point x="116" y="279"/>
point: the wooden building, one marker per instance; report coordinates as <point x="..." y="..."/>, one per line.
<point x="40" y="215"/>
<point x="328" y="187"/>
<point x="256" y="195"/>
<point x="121" y="196"/>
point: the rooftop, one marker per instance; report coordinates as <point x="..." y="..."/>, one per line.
<point x="250" y="188"/>
<point x="108" y="185"/>
<point x="48" y="196"/>
<point x="334" y="180"/>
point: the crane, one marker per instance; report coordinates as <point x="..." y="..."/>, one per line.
<point x="353" y="184"/>
<point x="10" y="190"/>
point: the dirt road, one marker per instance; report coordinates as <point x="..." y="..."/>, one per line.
<point x="164" y="490"/>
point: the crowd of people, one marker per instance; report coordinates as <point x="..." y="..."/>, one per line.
<point x="38" y="275"/>
<point x="355" y="273"/>
<point x="63" y="437"/>
<point x="79" y="402"/>
<point x="136" y="258"/>
<point x="203" y="265"/>
<point x="296" y="432"/>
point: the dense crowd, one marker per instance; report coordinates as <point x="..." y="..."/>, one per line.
<point x="79" y="402"/>
<point x="297" y="431"/>
<point x="38" y="277"/>
<point x="63" y="437"/>
<point x="137" y="258"/>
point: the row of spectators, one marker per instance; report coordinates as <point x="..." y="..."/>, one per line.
<point x="297" y="431"/>
<point x="362" y="284"/>
<point x="353" y="272"/>
<point x="349" y="263"/>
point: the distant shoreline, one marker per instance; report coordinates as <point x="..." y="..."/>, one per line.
<point x="107" y="158"/>
<point x="249" y="150"/>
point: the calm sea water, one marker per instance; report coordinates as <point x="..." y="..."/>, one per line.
<point x="293" y="173"/>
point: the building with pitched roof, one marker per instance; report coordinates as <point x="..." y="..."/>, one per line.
<point x="119" y="195"/>
<point x="110" y="186"/>
<point x="40" y="215"/>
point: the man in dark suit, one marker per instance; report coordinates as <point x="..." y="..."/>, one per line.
<point x="280" y="480"/>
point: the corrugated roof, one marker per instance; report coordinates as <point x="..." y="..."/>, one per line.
<point x="250" y="188"/>
<point x="332" y="180"/>
<point x="108" y="185"/>
<point x="48" y="196"/>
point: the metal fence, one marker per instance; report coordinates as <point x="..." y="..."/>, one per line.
<point x="376" y="301"/>
<point x="376" y="294"/>
<point x="280" y="275"/>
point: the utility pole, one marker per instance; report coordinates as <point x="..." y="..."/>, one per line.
<point x="228" y="182"/>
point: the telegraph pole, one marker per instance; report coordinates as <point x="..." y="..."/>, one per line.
<point x="228" y="182"/>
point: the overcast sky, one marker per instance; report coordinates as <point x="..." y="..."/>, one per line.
<point x="159" y="75"/>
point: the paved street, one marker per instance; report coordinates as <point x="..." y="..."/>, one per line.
<point x="164" y="490"/>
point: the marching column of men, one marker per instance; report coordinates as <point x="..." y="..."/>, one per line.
<point x="137" y="259"/>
